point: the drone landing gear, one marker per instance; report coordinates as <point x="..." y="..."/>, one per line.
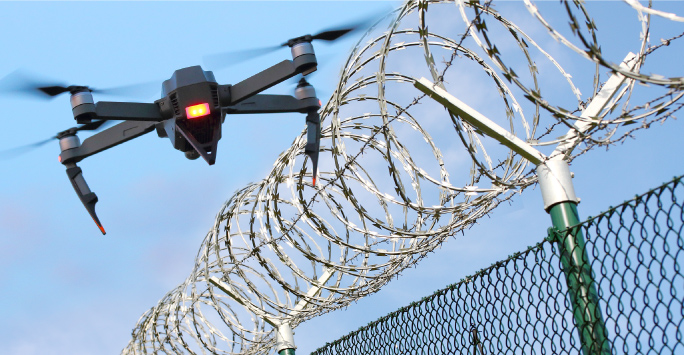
<point x="87" y="197"/>
<point x="313" y="140"/>
<point x="73" y="151"/>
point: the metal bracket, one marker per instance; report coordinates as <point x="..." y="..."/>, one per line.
<point x="597" y="104"/>
<point x="284" y="338"/>
<point x="284" y="333"/>
<point x="555" y="181"/>
<point x="478" y="120"/>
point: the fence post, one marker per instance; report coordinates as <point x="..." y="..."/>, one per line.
<point x="559" y="200"/>
<point x="284" y="335"/>
<point x="561" y="203"/>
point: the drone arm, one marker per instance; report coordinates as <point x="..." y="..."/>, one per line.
<point x="128" y="111"/>
<point x="262" y="81"/>
<point x="273" y="104"/>
<point x="121" y="133"/>
<point x="269" y="77"/>
<point x="285" y="103"/>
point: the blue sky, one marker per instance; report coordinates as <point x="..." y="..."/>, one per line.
<point x="67" y="289"/>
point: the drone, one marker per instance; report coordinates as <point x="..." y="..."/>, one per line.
<point x="190" y="112"/>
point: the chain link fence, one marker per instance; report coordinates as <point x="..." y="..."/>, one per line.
<point x="523" y="305"/>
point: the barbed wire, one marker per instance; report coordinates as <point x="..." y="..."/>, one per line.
<point x="394" y="184"/>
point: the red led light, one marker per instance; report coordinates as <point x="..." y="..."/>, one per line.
<point x="196" y="111"/>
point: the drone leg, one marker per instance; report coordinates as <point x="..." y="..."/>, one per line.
<point x="313" y="140"/>
<point x="88" y="198"/>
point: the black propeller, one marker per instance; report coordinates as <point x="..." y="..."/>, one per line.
<point x="16" y="151"/>
<point x="20" y="82"/>
<point x="221" y="60"/>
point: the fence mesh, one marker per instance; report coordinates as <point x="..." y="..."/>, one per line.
<point x="522" y="305"/>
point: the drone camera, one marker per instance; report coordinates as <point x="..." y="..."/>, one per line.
<point x="192" y="154"/>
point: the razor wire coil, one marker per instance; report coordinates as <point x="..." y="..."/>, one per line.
<point x="274" y="240"/>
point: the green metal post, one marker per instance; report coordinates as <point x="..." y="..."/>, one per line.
<point x="581" y="285"/>
<point x="287" y="352"/>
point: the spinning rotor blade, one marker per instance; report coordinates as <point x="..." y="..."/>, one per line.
<point x="20" y="82"/>
<point x="340" y="31"/>
<point x="321" y="92"/>
<point x="222" y="60"/>
<point x="142" y="89"/>
<point x="16" y="151"/>
<point x="332" y="34"/>
<point x="53" y="91"/>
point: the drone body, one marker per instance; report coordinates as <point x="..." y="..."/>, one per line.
<point x="191" y="98"/>
<point x="189" y="113"/>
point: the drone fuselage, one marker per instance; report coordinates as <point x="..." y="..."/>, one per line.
<point x="190" y="113"/>
<point x="195" y="133"/>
